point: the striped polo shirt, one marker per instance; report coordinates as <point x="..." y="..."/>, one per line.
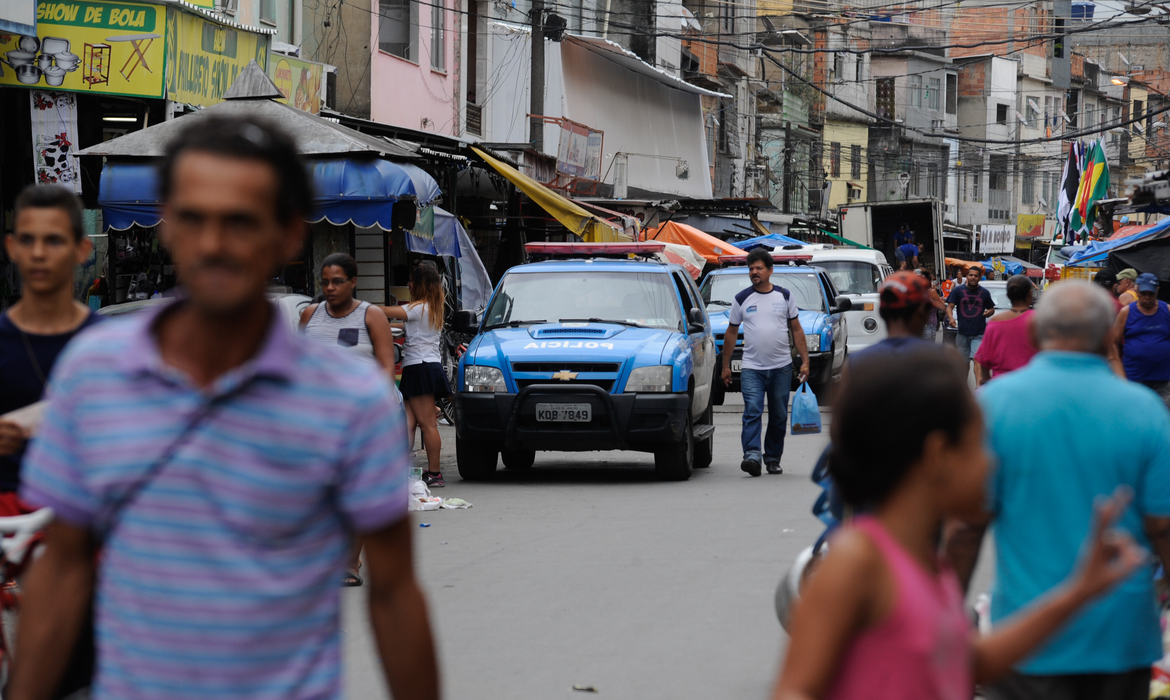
<point x="221" y="579"/>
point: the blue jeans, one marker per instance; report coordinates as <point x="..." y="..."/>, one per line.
<point x="968" y="345"/>
<point x="755" y="383"/>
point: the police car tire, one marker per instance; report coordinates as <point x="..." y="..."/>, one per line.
<point x="518" y="459"/>
<point x="705" y="449"/>
<point x="476" y="460"/>
<point x="718" y="391"/>
<point x="674" y="461"/>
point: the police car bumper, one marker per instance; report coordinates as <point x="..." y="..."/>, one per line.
<point x="618" y="421"/>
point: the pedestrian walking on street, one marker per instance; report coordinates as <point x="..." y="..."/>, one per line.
<point x="361" y="329"/>
<point x="1142" y="334"/>
<point x="974" y="304"/>
<point x="47" y="244"/>
<point x="224" y="463"/>
<point x="882" y="616"/>
<point x="767" y="314"/>
<point x="937" y="306"/>
<point x="1067" y="432"/>
<point x="423" y="378"/>
<point x="1127" y="286"/>
<point x="1007" y="343"/>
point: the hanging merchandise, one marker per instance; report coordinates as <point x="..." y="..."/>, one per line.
<point x="54" y="133"/>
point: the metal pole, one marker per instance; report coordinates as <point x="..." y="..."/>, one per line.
<point x="536" y="124"/>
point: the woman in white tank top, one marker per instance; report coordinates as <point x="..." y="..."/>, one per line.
<point x="354" y="325"/>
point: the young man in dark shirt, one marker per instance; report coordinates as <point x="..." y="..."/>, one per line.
<point x="968" y="307"/>
<point x="47" y="244"/>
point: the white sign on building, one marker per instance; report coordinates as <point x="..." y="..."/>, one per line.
<point x="995" y="239"/>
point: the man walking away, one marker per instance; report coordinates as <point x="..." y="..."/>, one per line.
<point x="905" y="306"/>
<point x="1053" y="466"/>
<point x="1142" y="333"/>
<point x="47" y="244"/>
<point x="225" y="463"/>
<point x="1127" y="286"/>
<point x="974" y="306"/>
<point x="767" y="313"/>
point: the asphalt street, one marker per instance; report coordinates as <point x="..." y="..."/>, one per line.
<point x="586" y="571"/>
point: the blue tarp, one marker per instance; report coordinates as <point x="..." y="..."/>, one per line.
<point x="772" y="240"/>
<point x="444" y="239"/>
<point x="1099" y="250"/>
<point x="358" y="191"/>
<point x="1012" y="268"/>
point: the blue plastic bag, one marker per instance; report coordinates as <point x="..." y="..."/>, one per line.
<point x="806" y="413"/>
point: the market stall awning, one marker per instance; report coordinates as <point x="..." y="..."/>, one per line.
<point x="704" y="244"/>
<point x="358" y="191"/>
<point x="964" y="264"/>
<point x="1014" y="266"/>
<point x="1127" y="231"/>
<point x="572" y="216"/>
<point x="1100" y="250"/>
<point x="772" y="240"/>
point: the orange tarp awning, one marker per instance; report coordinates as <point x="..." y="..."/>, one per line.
<point x="955" y="262"/>
<point x="704" y="244"/>
<point x="1130" y="230"/>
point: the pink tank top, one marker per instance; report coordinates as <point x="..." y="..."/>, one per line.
<point x="922" y="650"/>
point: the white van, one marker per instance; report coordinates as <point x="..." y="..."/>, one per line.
<point x="857" y="274"/>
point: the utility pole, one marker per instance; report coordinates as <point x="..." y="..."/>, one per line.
<point x="536" y="124"/>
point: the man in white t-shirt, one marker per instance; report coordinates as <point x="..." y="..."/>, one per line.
<point x="766" y="312"/>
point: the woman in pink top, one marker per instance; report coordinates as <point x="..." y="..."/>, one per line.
<point x="881" y="617"/>
<point x="1007" y="342"/>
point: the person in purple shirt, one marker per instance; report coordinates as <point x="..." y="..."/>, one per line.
<point x="225" y="463"/>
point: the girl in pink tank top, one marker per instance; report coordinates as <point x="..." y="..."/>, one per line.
<point x="881" y="617"/>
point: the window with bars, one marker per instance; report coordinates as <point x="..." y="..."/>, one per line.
<point x="834" y="159"/>
<point x="855" y="161"/>
<point x="885" y="98"/>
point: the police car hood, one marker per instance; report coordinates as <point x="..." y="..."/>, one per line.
<point x="572" y="342"/>
<point x="810" y="321"/>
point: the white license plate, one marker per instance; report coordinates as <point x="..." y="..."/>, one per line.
<point x="564" y="412"/>
<point x="736" y="365"/>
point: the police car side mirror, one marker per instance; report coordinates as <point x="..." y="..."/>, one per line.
<point x="841" y="305"/>
<point x="465" y="322"/>
<point x="695" y="321"/>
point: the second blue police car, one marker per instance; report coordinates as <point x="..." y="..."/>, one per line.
<point x="584" y="354"/>
<point x="822" y="316"/>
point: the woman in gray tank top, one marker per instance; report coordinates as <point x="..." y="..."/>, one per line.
<point x="357" y="327"/>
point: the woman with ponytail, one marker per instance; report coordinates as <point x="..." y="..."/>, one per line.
<point x="423" y="378"/>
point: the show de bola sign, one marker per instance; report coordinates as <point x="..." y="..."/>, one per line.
<point x="996" y="238"/>
<point x="112" y="48"/>
<point x="299" y="81"/>
<point x="205" y="57"/>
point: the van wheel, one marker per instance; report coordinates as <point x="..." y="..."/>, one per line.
<point x="675" y="461"/>
<point x="476" y="460"/>
<point x="518" y="459"/>
<point x="705" y="449"/>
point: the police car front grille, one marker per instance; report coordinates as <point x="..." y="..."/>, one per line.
<point x="565" y="366"/>
<point x="605" y="384"/>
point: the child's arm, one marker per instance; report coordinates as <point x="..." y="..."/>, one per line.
<point x="834" y="606"/>
<point x="1114" y="556"/>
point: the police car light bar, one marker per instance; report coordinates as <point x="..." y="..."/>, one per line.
<point x="792" y="258"/>
<point x="587" y="249"/>
<point x="732" y="259"/>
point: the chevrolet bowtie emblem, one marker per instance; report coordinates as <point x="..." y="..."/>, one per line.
<point x="565" y="375"/>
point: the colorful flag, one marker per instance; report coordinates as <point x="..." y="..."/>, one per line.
<point x="1069" y="180"/>
<point x="1094" y="185"/>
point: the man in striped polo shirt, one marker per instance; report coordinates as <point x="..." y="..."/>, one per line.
<point x="224" y="464"/>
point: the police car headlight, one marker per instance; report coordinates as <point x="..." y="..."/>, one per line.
<point x="484" y="379"/>
<point x="650" y="379"/>
<point x="814" y="343"/>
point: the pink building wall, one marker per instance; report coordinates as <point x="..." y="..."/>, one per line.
<point x="415" y="95"/>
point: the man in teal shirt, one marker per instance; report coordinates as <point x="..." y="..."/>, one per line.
<point x="1067" y="431"/>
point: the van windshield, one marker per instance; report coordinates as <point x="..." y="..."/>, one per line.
<point x="719" y="290"/>
<point x="629" y="298"/>
<point x="852" y="276"/>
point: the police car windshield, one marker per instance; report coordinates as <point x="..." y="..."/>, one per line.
<point x="852" y="277"/>
<point x="630" y="298"/>
<point x="720" y="290"/>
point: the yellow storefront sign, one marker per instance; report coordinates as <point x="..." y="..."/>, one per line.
<point x="299" y="81"/>
<point x="1030" y="225"/>
<point x="205" y="57"/>
<point x="110" y="48"/>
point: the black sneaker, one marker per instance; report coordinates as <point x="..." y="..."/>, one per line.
<point x="775" y="468"/>
<point x="751" y="466"/>
<point x="434" y="480"/>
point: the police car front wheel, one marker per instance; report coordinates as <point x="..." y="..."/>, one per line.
<point x="476" y="460"/>
<point x="674" y="461"/>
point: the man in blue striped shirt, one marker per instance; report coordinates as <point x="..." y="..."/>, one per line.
<point x="220" y="542"/>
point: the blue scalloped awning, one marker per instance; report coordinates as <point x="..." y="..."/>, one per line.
<point x="359" y="191"/>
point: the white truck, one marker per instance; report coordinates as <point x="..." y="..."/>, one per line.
<point x="857" y="273"/>
<point x="873" y="224"/>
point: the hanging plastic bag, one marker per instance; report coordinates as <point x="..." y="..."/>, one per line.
<point x="806" y="413"/>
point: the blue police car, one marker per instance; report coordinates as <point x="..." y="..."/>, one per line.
<point x="822" y="316"/>
<point x="587" y="354"/>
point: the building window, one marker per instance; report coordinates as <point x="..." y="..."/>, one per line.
<point x="834" y="159"/>
<point x="1001" y="114"/>
<point x="728" y="17"/>
<point x="1027" y="186"/>
<point x="1136" y="114"/>
<point x="855" y="161"/>
<point x="933" y="182"/>
<point x="398" y="28"/>
<point x="838" y="67"/>
<point x="952" y="93"/>
<point x="268" y="11"/>
<point x="1031" y="110"/>
<point x="438" y="36"/>
<point x="914" y="87"/>
<point x="885" y="98"/>
<point x="933" y="93"/>
<point x="1072" y="102"/>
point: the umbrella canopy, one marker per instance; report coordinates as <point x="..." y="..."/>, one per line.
<point x="704" y="244"/>
<point x="772" y="240"/>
